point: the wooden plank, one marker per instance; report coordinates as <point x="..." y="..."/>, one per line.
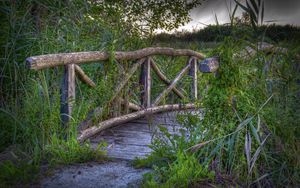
<point x="129" y="137"/>
<point x="145" y="81"/>
<point x="127" y="152"/>
<point x="67" y="93"/>
<point x="131" y="140"/>
<point x="52" y="60"/>
<point x="172" y="85"/>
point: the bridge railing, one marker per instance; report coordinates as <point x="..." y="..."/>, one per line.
<point x="144" y="60"/>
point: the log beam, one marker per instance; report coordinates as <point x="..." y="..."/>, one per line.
<point x="165" y="79"/>
<point x="89" y="121"/>
<point x="52" y="60"/>
<point x="174" y="82"/>
<point x="83" y="77"/>
<point x="85" y="134"/>
<point x="127" y="77"/>
<point x="67" y="93"/>
<point x="193" y="73"/>
<point x="145" y="82"/>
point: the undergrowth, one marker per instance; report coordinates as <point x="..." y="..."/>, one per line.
<point x="249" y="135"/>
<point x="250" y="132"/>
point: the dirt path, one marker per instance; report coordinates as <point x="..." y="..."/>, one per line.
<point x="88" y="175"/>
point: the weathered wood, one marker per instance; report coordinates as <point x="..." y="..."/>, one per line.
<point x="89" y="120"/>
<point x="193" y="73"/>
<point x="85" y="134"/>
<point x="125" y="101"/>
<point x="165" y="79"/>
<point x="131" y="140"/>
<point x="67" y="93"/>
<point x="83" y="77"/>
<point x="209" y="65"/>
<point x="267" y="48"/>
<point x="127" y="77"/>
<point x="52" y="60"/>
<point x="145" y="82"/>
<point x="116" y="107"/>
<point x="130" y="105"/>
<point x="172" y="85"/>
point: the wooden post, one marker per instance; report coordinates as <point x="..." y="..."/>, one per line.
<point x="126" y="100"/>
<point x="145" y="82"/>
<point x="67" y="93"/>
<point x="193" y="73"/>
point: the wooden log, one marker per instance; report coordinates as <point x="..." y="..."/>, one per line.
<point x="131" y="105"/>
<point x="125" y="101"/>
<point x="193" y="73"/>
<point x="165" y="79"/>
<point x="172" y="85"/>
<point x="267" y="48"/>
<point x="83" y="77"/>
<point x="127" y="77"/>
<point x="209" y="65"/>
<point x="67" y="93"/>
<point x="145" y="81"/>
<point x="89" y="121"/>
<point x="52" y="60"/>
<point x="85" y="134"/>
<point x="116" y="107"/>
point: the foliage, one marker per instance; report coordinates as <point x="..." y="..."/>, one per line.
<point x="184" y="171"/>
<point x="68" y="152"/>
<point x="214" y="33"/>
<point x="17" y="174"/>
<point x="144" y="17"/>
<point x="255" y="9"/>
<point x="249" y="135"/>
<point x="244" y="121"/>
<point x="29" y="101"/>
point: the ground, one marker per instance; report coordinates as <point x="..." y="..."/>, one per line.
<point x="111" y="174"/>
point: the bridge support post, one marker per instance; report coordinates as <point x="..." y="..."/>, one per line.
<point x="145" y="82"/>
<point x="67" y="93"/>
<point x="193" y="73"/>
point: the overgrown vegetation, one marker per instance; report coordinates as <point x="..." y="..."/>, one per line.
<point x="250" y="132"/>
<point x="242" y="140"/>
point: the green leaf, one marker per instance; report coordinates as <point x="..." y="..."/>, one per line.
<point x="255" y="6"/>
<point x="254" y="132"/>
<point x="256" y="154"/>
<point x="248" y="142"/>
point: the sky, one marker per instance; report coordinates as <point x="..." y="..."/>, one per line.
<point x="283" y="11"/>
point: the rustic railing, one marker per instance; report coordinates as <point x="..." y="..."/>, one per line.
<point x="71" y="61"/>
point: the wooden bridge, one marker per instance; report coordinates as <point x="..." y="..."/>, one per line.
<point x="132" y="126"/>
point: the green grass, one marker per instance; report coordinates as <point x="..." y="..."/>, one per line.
<point x="29" y="101"/>
<point x="249" y="133"/>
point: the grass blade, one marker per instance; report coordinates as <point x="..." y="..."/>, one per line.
<point x="257" y="152"/>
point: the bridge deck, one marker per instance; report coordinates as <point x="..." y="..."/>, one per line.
<point x="131" y="140"/>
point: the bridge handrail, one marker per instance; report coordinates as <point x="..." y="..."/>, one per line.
<point x="52" y="60"/>
<point x="143" y="59"/>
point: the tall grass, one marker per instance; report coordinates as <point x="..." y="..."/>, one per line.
<point x="249" y="134"/>
<point x="29" y="101"/>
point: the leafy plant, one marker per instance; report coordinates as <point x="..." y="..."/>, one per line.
<point x="256" y="9"/>
<point x="67" y="152"/>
